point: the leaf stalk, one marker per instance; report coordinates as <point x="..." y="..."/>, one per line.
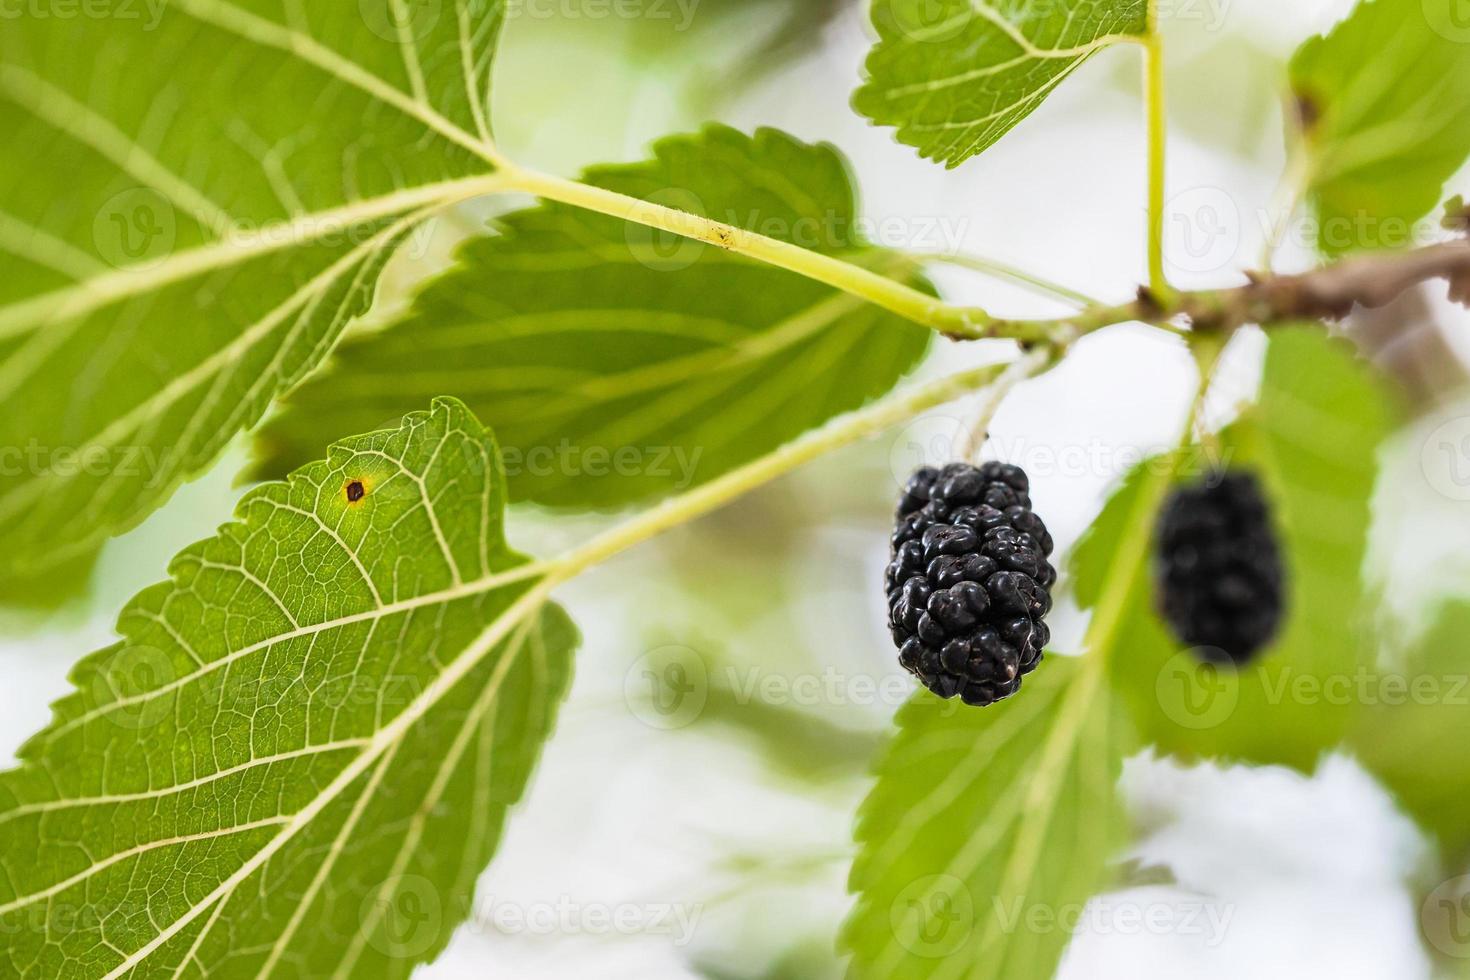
<point x="844" y="431"/>
<point x="896" y="297"/>
<point x="1153" y="47"/>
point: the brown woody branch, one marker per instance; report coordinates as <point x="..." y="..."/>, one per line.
<point x="1326" y="293"/>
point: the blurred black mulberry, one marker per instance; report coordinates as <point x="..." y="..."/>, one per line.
<point x="1218" y="567"/>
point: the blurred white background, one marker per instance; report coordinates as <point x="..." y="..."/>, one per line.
<point x="695" y="852"/>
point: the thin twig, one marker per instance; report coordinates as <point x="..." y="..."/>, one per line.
<point x="1032" y="363"/>
<point x="1327" y="293"/>
<point x="1011" y="273"/>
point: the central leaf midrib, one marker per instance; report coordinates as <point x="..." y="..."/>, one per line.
<point x="79" y="299"/>
<point x="170" y="394"/>
<point x="528" y="604"/>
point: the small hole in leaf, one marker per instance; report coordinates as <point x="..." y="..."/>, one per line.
<point x="355" y="491"/>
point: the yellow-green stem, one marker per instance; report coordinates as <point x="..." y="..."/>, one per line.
<point x="881" y="415"/>
<point x="1003" y="270"/>
<point x="904" y="300"/>
<point x="1285" y="199"/>
<point x="1153" y="47"/>
<point x="1032" y="363"/>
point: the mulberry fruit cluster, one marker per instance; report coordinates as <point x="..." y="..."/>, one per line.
<point x="969" y="581"/>
<point x="1219" y="568"/>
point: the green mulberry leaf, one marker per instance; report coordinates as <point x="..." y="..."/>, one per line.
<point x="196" y="197"/>
<point x="1385" y="107"/>
<point x="616" y="366"/>
<point x="982" y="818"/>
<point x="299" y="756"/>
<point x="1413" y="732"/>
<point x="954" y="76"/>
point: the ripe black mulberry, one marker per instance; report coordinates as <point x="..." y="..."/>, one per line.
<point x="969" y="582"/>
<point x="1218" y="568"/>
